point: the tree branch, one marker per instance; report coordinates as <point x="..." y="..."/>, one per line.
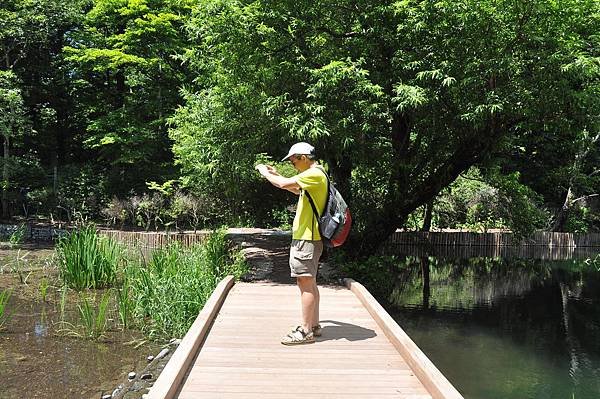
<point x="584" y="197"/>
<point x="337" y="35"/>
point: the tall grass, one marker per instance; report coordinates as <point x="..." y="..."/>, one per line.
<point x="86" y="260"/>
<point x="171" y="289"/>
<point x="125" y="305"/>
<point x="93" y="319"/>
<point x="4" y="297"/>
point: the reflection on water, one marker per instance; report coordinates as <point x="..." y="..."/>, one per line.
<point x="504" y="328"/>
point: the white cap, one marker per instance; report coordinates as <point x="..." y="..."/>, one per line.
<point x="300" y="149"/>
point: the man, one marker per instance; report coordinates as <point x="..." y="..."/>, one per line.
<point x="307" y="247"/>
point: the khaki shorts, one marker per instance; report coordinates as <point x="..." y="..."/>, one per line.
<point x="304" y="257"/>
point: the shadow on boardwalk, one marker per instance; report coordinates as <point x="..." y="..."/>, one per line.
<point x="334" y="330"/>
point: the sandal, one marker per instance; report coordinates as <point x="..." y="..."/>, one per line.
<point x="316" y="330"/>
<point x="298" y="337"/>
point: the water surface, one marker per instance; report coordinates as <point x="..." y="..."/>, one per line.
<point x="504" y="327"/>
<point x="37" y="360"/>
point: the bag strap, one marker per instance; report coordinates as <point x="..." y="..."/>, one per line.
<point x="312" y="204"/>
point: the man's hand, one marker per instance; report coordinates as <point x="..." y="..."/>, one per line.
<point x="266" y="169"/>
<point x="271" y="174"/>
<point x="262" y="169"/>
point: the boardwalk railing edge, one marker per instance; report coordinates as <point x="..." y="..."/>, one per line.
<point x="434" y="381"/>
<point x="167" y="384"/>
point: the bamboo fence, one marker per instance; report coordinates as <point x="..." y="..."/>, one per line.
<point x="400" y="238"/>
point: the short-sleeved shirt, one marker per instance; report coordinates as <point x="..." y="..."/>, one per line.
<point x="306" y="225"/>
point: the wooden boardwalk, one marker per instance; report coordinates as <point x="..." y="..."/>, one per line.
<point x="233" y="350"/>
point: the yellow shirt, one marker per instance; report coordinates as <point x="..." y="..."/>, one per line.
<point x="306" y="225"/>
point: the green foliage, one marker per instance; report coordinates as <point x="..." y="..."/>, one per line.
<point x="126" y="81"/>
<point x="125" y="304"/>
<point x="477" y="201"/>
<point x="43" y="288"/>
<point x="283" y="218"/>
<point x="170" y="290"/>
<point x="94" y="318"/>
<point x="88" y="260"/>
<point x="13" y="118"/>
<point x="399" y="99"/>
<point x="81" y="193"/>
<point x="17" y="237"/>
<point x="4" y="315"/>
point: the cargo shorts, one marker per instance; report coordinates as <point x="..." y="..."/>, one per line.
<point x="304" y="257"/>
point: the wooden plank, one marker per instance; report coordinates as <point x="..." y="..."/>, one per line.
<point x="168" y="382"/>
<point x="243" y="358"/>
<point x="271" y="395"/>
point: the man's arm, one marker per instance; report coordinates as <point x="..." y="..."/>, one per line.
<point x="285" y="183"/>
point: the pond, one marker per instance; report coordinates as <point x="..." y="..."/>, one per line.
<point x="504" y="327"/>
<point x="36" y="356"/>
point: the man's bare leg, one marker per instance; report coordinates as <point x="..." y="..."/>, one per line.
<point x="315" y="319"/>
<point x="309" y="296"/>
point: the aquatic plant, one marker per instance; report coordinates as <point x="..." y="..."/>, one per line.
<point x="87" y="260"/>
<point x="4" y="297"/>
<point x="125" y="305"/>
<point x="17" y="266"/>
<point x="44" y="288"/>
<point x="63" y="302"/>
<point x="92" y="319"/>
<point x="171" y="289"/>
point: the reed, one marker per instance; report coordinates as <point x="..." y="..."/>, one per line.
<point x="86" y="260"/>
<point x="4" y="315"/>
<point x="125" y="304"/>
<point x="93" y="319"/>
<point x="44" y="288"/>
<point x="170" y="290"/>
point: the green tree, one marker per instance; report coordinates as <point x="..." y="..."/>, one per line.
<point x="127" y="80"/>
<point x="13" y="125"/>
<point x="32" y="34"/>
<point x="400" y="97"/>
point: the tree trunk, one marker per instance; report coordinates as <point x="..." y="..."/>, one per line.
<point x="5" y="178"/>
<point x="428" y="216"/>
<point x="425" y="277"/>
<point x="563" y="214"/>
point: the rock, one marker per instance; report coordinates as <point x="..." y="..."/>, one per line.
<point x="162" y="353"/>
<point x="175" y="341"/>
<point x="106" y="396"/>
<point x="146" y="376"/>
<point x="150" y="358"/>
<point x="116" y="391"/>
<point x="131" y="375"/>
<point x="145" y="396"/>
<point x="137" y="386"/>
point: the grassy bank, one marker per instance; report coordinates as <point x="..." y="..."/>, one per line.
<point x="160" y="295"/>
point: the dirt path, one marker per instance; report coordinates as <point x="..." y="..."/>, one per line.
<point x="267" y="252"/>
